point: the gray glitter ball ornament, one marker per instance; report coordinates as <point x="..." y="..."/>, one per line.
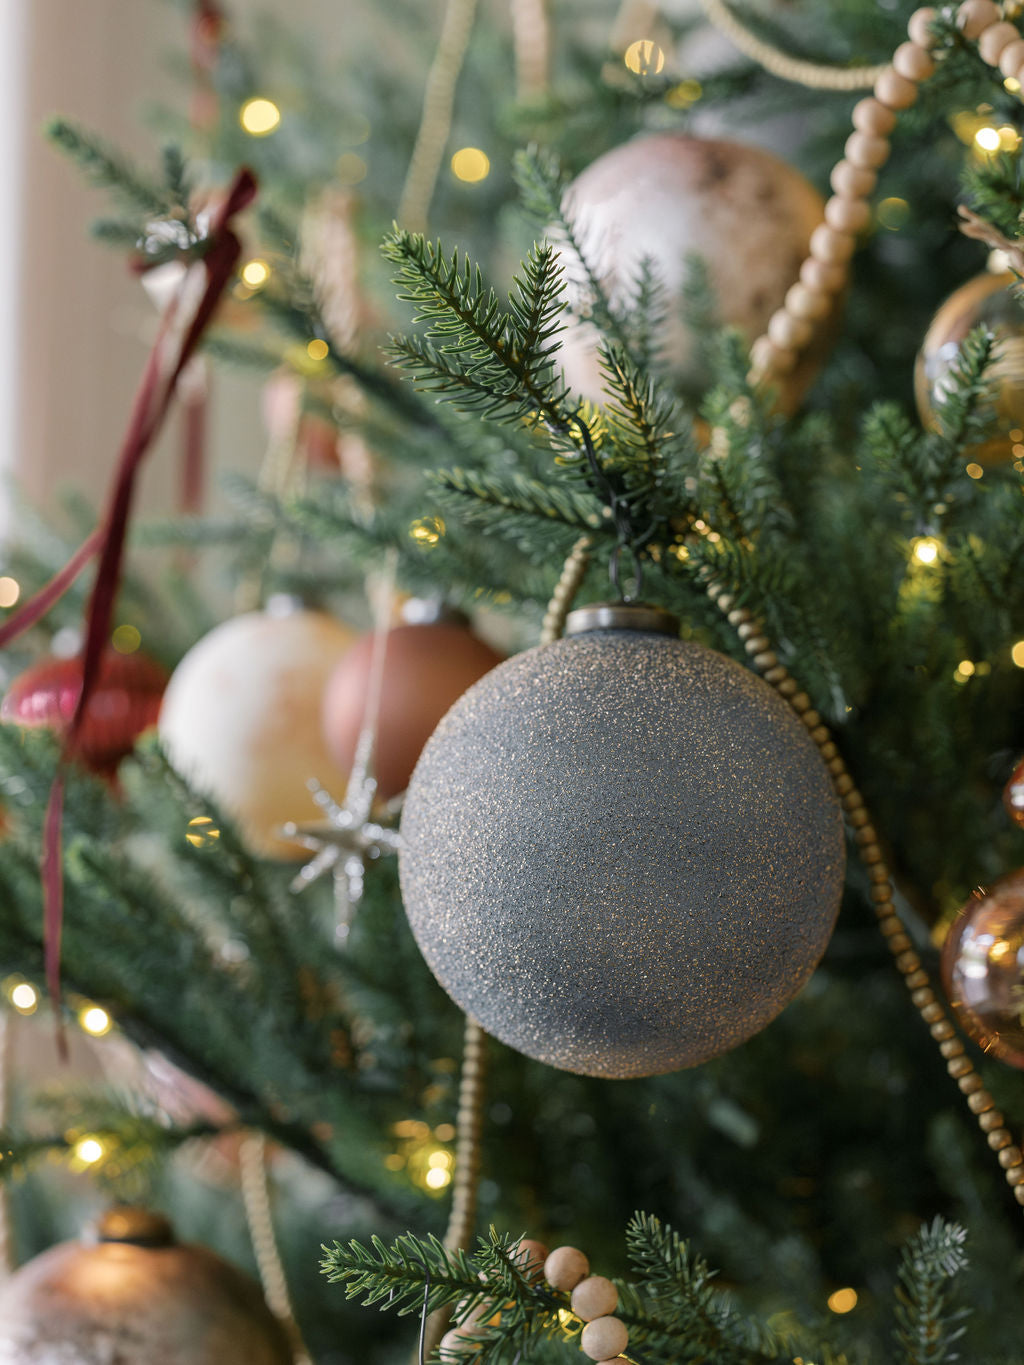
<point x="622" y="852"/>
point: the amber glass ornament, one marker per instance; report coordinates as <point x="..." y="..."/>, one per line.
<point x="426" y="669"/>
<point x="1013" y="795"/>
<point x="983" y="968"/>
<point x="125" y="702"/>
<point x="986" y="300"/>
<point x="134" y="1296"/>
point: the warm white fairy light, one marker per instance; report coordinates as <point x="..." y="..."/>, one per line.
<point x="1017" y="654"/>
<point x="987" y="139"/>
<point x="471" y="165"/>
<point x="259" y="117"/>
<point x="126" y="639"/>
<point x="95" y="1020"/>
<point x="255" y="273"/>
<point x="10" y="591"/>
<point x="925" y="549"/>
<point x="644" y="57"/>
<point x="843" y="1300"/>
<point x="88" y="1151"/>
<point x="24" y="998"/>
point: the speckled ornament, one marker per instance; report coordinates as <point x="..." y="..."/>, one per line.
<point x="135" y="1297"/>
<point x="983" y="968"/>
<point x="986" y="300"/>
<point x="241" y="719"/>
<point x="622" y="853"/>
<point x="666" y="197"/>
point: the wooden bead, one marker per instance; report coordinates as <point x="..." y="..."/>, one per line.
<point x="919" y="27"/>
<point x="803" y="302"/>
<point x="912" y="62"/>
<point x="895" y="90"/>
<point x="1018" y="1194"/>
<point x="847" y="215"/>
<point x="866" y="151"/>
<point x="529" y="1257"/>
<point x="991" y="1120"/>
<point x="592" y="1298"/>
<point x="788" y="333"/>
<point x="565" y="1267"/>
<point x="1010" y="1156"/>
<point x="826" y="276"/>
<point x="454" y="1345"/>
<point x="959" y="1066"/>
<point x="915" y="979"/>
<point x="994" y="40"/>
<point x="835" y="248"/>
<point x="999" y="1138"/>
<point x="853" y="182"/>
<point x="1011" y="59"/>
<point x="940" y="1031"/>
<point x="1015" y="1175"/>
<point x="907" y="962"/>
<point x="949" y="1046"/>
<point x="970" y="1085"/>
<point x="871" y="116"/>
<point x="981" y="1102"/>
<point x="974" y="16"/>
<point x="604" y="1338"/>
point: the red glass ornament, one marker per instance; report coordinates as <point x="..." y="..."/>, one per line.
<point x="426" y="669"/>
<point x="126" y="702"/>
<point x="1013" y="795"/>
<point x="983" y="968"/>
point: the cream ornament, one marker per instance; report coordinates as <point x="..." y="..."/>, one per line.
<point x="241" y="719"/>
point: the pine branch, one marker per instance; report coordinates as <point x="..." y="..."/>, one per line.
<point x="108" y="169"/>
<point x="397" y="1276"/>
<point x="484" y="358"/>
<point x="926" y="1332"/>
<point x="542" y="187"/>
<point x="485" y="499"/>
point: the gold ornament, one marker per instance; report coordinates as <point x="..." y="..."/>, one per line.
<point x="986" y="300"/>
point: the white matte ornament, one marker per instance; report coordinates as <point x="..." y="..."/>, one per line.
<point x="668" y="196"/>
<point x="241" y="719"/>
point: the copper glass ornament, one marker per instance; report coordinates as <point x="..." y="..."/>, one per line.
<point x="983" y="968"/>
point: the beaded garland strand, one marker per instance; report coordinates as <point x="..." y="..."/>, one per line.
<point x="824" y="273"/>
<point x="822" y="276"/>
<point x="593" y="1299"/>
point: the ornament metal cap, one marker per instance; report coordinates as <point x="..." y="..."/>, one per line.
<point x="621" y="616"/>
<point x="140" y="1227"/>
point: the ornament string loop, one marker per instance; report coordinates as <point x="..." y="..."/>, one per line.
<point x="627" y="540"/>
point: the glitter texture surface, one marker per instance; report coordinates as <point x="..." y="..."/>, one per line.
<point x="622" y="853"/>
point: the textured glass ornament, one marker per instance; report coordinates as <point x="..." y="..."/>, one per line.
<point x="983" y="968"/>
<point x="622" y="854"/>
<point x="135" y="1297"/>
<point x="664" y="199"/>
<point x="988" y="300"/>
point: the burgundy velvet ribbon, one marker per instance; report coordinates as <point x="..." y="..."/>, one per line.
<point x="169" y="356"/>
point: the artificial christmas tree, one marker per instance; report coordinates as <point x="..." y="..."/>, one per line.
<point x="866" y="569"/>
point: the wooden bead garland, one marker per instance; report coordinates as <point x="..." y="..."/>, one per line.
<point x="823" y="275"/>
<point x="593" y="1298"/>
